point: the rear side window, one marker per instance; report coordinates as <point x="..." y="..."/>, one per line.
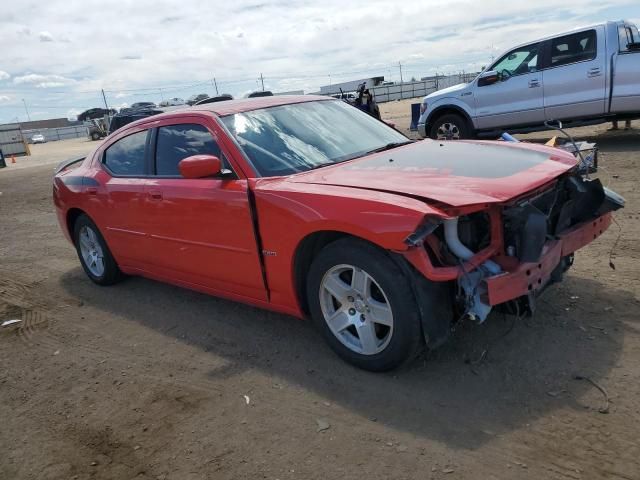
<point x="577" y="47"/>
<point x="126" y="156"/>
<point x="177" y="142"/>
<point x="627" y="34"/>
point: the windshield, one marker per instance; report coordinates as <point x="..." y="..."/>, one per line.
<point x="296" y="138"/>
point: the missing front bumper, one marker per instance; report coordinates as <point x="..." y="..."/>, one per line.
<point x="530" y="278"/>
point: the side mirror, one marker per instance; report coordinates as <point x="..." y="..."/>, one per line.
<point x="488" y="78"/>
<point x="200" y="166"/>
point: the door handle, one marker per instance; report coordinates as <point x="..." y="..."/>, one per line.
<point x="534" y="83"/>
<point x="155" y="194"/>
<point x="594" y="72"/>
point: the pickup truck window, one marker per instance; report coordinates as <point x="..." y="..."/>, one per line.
<point x="126" y="156"/>
<point x="177" y="142"/>
<point x="519" y="61"/>
<point x="299" y="137"/>
<point x="577" y="47"/>
<point x="627" y="34"/>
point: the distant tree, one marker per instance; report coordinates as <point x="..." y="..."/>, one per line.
<point x="413" y="79"/>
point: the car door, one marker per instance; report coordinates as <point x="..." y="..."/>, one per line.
<point x="116" y="197"/>
<point x="516" y="98"/>
<point x="626" y="83"/>
<point x="202" y="230"/>
<point x="574" y="76"/>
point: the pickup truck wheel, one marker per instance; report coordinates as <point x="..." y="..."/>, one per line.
<point x="450" y="127"/>
<point x="95" y="257"/>
<point x="95" y="136"/>
<point x="364" y="306"/>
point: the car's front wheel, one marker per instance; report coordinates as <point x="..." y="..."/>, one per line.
<point x="364" y="305"/>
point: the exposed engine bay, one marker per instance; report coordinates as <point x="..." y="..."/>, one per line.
<point x="527" y="225"/>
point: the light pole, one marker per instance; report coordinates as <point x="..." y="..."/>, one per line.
<point x="26" y="110"/>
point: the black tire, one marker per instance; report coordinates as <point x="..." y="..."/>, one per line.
<point x="406" y="339"/>
<point x="111" y="272"/>
<point x="95" y="136"/>
<point x="453" y="123"/>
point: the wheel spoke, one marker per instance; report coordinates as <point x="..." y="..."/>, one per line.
<point x="380" y="312"/>
<point x="336" y="287"/>
<point x="84" y="240"/>
<point x="339" y="321"/>
<point x="367" y="336"/>
<point x="99" y="266"/>
<point x="92" y="235"/>
<point x="360" y="282"/>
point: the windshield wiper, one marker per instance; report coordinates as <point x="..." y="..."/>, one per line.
<point x="389" y="146"/>
<point x="321" y="165"/>
<point x="384" y="148"/>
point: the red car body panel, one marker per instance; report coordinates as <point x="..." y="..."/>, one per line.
<point x="437" y="171"/>
<point x="238" y="238"/>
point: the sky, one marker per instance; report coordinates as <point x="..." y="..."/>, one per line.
<point x="57" y="56"/>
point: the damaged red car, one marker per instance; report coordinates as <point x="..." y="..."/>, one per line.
<point x="308" y="206"/>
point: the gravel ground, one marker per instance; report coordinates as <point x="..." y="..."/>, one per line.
<point x="151" y="381"/>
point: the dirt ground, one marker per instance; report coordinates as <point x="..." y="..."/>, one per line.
<point x="145" y="380"/>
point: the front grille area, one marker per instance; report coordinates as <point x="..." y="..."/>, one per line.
<point x="531" y="222"/>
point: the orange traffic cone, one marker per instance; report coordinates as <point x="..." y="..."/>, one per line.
<point x="13" y="159"/>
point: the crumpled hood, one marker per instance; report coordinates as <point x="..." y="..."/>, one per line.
<point x="456" y="173"/>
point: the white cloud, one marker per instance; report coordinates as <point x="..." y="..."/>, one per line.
<point x="4" y="98"/>
<point x="295" y="45"/>
<point x="72" y="115"/>
<point x="4" y="75"/>
<point x="45" y="36"/>
<point x="43" y="81"/>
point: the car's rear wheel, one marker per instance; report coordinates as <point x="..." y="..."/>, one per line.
<point x="450" y="126"/>
<point x="95" y="136"/>
<point x="94" y="255"/>
<point x="364" y="305"/>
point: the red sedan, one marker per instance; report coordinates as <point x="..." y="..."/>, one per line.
<point x="307" y="206"/>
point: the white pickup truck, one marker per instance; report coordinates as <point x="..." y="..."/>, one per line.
<point x="587" y="76"/>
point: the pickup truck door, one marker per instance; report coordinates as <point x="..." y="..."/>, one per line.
<point x="201" y="230"/>
<point x="574" y="75"/>
<point x="626" y="72"/>
<point x="516" y="99"/>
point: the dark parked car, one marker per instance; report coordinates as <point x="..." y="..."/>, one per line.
<point x="219" y="98"/>
<point x="265" y="93"/>
<point x="193" y="99"/>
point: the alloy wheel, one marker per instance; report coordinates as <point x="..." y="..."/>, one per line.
<point x="356" y="309"/>
<point x="448" y="131"/>
<point x="91" y="251"/>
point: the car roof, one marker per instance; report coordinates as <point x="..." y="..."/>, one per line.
<point x="239" y="105"/>
<point x="229" y="107"/>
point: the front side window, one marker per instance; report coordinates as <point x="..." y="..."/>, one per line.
<point x="299" y="137"/>
<point x="177" y="142"/>
<point x="126" y="156"/>
<point x="519" y="61"/>
<point x="577" y="47"/>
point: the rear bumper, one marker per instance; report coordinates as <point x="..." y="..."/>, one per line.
<point x="422" y="130"/>
<point x="529" y="278"/>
